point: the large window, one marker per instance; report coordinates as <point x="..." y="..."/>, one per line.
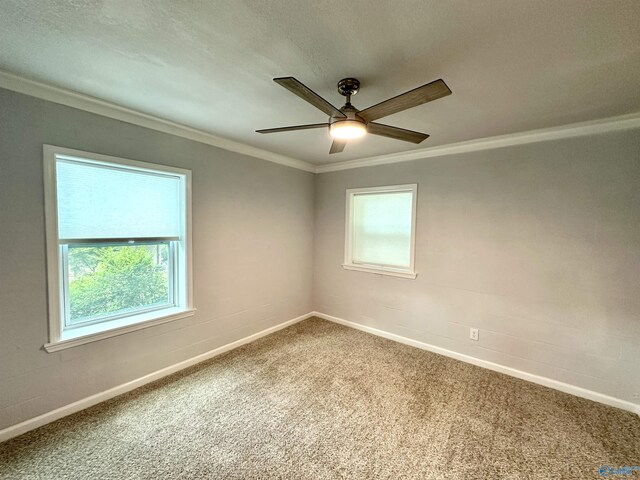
<point x="117" y="245"/>
<point x="380" y="230"/>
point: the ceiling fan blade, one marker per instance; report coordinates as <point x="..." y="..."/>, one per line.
<point x="337" y="146"/>
<point x="295" y="127"/>
<point x="305" y="93"/>
<point x="412" y="98"/>
<point x="395" y="132"/>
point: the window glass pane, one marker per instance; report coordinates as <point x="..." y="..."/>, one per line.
<point x="106" y="280"/>
<point x="382" y="229"/>
<point x="97" y="201"/>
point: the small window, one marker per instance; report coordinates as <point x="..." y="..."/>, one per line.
<point x="380" y="230"/>
<point x="117" y="245"/>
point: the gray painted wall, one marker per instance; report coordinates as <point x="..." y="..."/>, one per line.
<point x="252" y="257"/>
<point x="537" y="245"/>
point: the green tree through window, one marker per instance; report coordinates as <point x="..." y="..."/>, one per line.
<point x="108" y="280"/>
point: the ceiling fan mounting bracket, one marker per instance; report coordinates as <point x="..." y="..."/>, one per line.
<point x="348" y="86"/>
<point x="350" y="112"/>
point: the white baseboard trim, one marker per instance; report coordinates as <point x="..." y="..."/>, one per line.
<point x="544" y="381"/>
<point x="33" y="423"/>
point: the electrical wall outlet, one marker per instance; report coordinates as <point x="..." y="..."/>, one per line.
<point x="474" y="334"/>
<point x="636" y="396"/>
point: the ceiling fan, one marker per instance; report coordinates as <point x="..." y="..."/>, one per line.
<point x="348" y="122"/>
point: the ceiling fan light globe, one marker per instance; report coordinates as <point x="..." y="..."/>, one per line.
<point x="347" y="129"/>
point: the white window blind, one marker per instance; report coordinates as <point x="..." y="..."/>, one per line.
<point x="382" y="224"/>
<point x="97" y="201"/>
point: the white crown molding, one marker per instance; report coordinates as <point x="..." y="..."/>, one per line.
<point x="87" y="103"/>
<point x="623" y="122"/>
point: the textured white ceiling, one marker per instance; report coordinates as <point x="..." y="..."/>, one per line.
<point x="513" y="65"/>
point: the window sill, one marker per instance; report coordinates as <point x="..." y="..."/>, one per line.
<point x="381" y="270"/>
<point x="93" y="333"/>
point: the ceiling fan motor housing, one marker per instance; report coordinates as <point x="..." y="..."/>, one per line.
<point x="350" y="112"/>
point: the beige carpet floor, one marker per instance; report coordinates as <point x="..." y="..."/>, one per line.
<point x="322" y="401"/>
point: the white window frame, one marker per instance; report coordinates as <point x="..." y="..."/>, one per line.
<point x="59" y="338"/>
<point x="348" y="248"/>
